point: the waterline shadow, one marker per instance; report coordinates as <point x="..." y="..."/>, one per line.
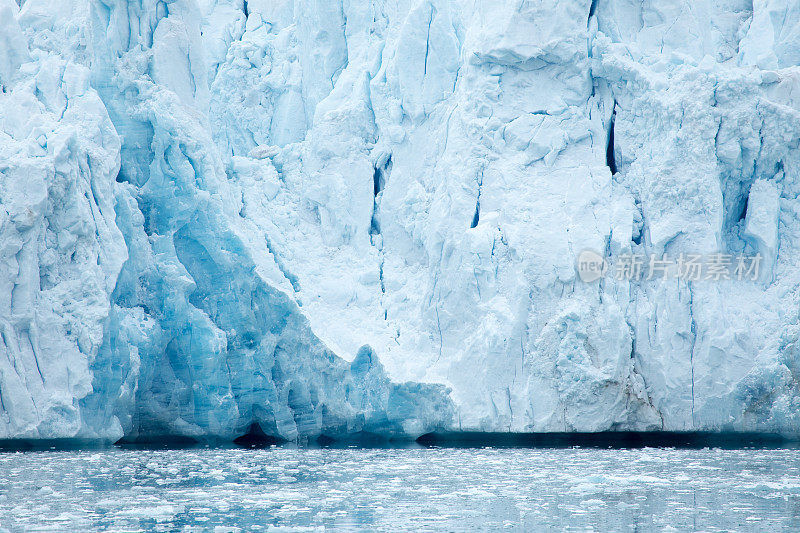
<point x="609" y="439"/>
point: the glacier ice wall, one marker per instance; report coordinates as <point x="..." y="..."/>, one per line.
<point x="362" y="215"/>
<point x="140" y="304"/>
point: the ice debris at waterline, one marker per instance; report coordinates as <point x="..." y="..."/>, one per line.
<point x="336" y="217"/>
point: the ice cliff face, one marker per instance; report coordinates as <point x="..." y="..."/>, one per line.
<point x="328" y="217"/>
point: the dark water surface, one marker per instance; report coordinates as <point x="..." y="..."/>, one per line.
<point x="410" y="489"/>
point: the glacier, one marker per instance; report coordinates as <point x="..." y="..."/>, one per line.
<point x="346" y="216"/>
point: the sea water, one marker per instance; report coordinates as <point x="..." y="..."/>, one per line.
<point x="412" y="489"/>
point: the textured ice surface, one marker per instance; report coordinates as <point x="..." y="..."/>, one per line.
<point x="402" y="490"/>
<point x="208" y="208"/>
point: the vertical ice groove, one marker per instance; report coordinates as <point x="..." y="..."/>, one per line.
<point x="428" y="41"/>
<point x="477" y="216"/>
<point x="611" y="161"/>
